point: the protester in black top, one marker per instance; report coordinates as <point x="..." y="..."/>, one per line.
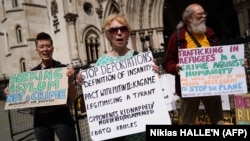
<point x="49" y="120"/>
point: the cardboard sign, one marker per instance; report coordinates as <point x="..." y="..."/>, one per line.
<point x="212" y="71"/>
<point x="167" y="82"/>
<point x="122" y="97"/>
<point x="37" y="88"/>
<point x="203" y="119"/>
<point x="242" y="109"/>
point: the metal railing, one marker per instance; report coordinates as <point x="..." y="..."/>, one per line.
<point x="21" y="121"/>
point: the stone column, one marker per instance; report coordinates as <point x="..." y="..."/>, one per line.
<point x="151" y="43"/>
<point x="71" y="20"/>
<point x="133" y="40"/>
<point x="159" y="32"/>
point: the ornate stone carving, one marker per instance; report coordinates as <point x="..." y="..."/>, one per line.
<point x="99" y="11"/>
<point x="71" y="18"/>
<point x="54" y="8"/>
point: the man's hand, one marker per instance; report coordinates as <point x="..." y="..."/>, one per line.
<point x="178" y="68"/>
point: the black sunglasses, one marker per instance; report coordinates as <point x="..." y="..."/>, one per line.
<point x="114" y="30"/>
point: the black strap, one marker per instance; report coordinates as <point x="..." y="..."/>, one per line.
<point x="193" y="38"/>
<point x="135" y="53"/>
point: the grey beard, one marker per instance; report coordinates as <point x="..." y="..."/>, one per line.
<point x="198" y="28"/>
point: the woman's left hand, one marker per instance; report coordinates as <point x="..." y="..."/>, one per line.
<point x="70" y="73"/>
<point x="155" y="67"/>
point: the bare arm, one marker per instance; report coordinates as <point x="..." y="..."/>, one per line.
<point x="6" y="90"/>
<point x="72" y="93"/>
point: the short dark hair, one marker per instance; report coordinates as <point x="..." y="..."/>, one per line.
<point x="43" y="36"/>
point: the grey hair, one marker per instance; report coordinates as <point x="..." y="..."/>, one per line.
<point x="188" y="12"/>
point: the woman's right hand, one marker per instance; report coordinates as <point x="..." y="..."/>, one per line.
<point x="79" y="78"/>
<point x="6" y="90"/>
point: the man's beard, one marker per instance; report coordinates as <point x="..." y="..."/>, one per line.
<point x="198" y="27"/>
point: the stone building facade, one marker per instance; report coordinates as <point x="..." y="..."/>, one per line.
<point x="243" y="10"/>
<point x="76" y="28"/>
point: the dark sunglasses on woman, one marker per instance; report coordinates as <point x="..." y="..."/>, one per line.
<point x="114" y="30"/>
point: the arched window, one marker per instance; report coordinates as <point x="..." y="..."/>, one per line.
<point x="14" y="3"/>
<point x="22" y="65"/>
<point x="92" y="44"/>
<point x="19" y="34"/>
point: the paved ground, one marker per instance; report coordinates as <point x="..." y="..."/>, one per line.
<point x="19" y="126"/>
<point x="4" y="124"/>
<point x="5" y="127"/>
